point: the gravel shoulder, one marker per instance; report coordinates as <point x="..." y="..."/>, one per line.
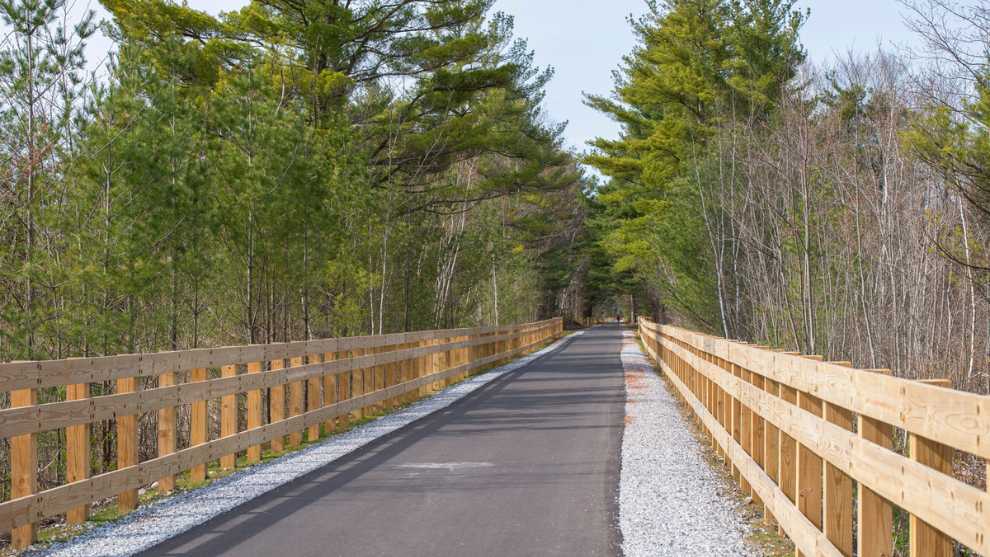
<point x="169" y="517"/>
<point x="671" y="502"/>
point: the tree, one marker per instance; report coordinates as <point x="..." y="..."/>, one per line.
<point x="41" y="65"/>
<point x="703" y="68"/>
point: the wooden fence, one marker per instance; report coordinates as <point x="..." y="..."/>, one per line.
<point x="818" y="445"/>
<point x="308" y="385"/>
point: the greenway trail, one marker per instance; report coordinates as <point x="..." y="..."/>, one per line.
<point x="527" y="465"/>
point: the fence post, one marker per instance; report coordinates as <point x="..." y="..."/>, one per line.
<point x="728" y="409"/>
<point x="329" y="390"/>
<point x="739" y="431"/>
<point x="23" y="467"/>
<point x="295" y="403"/>
<point x="380" y="377"/>
<point x="378" y="380"/>
<point x="875" y="524"/>
<point x="357" y="384"/>
<point x="276" y="402"/>
<point x="446" y="358"/>
<point x="371" y="382"/>
<point x="425" y="367"/>
<point x="809" y="467"/>
<point x="344" y="386"/>
<point x="166" y="433"/>
<point x="199" y="431"/>
<point x="771" y="446"/>
<point x="228" y="418"/>
<point x="926" y="541"/>
<point x="77" y="452"/>
<point x="838" y="504"/>
<point x="389" y="373"/>
<point x="718" y="402"/>
<point x="314" y="399"/>
<point x="254" y="414"/>
<point x="403" y="373"/>
<point x="127" y="451"/>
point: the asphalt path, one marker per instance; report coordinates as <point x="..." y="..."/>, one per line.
<point x="527" y="465"/>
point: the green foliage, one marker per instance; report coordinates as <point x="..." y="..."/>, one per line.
<point x="956" y="144"/>
<point x="700" y="66"/>
<point x="289" y="170"/>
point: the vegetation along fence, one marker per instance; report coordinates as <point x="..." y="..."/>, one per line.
<point x="836" y="456"/>
<point x="302" y="385"/>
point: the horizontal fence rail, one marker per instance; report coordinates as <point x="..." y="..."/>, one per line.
<point x="816" y="445"/>
<point x="273" y="394"/>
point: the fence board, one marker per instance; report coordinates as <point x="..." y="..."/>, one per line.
<point x="949" y="506"/>
<point x="27" y="509"/>
<point x="957" y="418"/>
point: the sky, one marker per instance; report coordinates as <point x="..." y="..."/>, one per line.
<point x="584" y="41"/>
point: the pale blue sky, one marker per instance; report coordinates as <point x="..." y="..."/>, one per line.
<point x="584" y="41"/>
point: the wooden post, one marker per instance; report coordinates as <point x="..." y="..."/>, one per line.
<point x="343" y="392"/>
<point x="425" y="367"/>
<point x="127" y="450"/>
<point x="166" y="433"/>
<point x="926" y="541"/>
<point x="875" y="524"/>
<point x="254" y="414"/>
<point x="314" y="399"/>
<point x="838" y="502"/>
<point x="809" y="471"/>
<point x="199" y="428"/>
<point x="357" y="385"/>
<point x="771" y="445"/>
<point x="228" y="418"/>
<point x="23" y="467"/>
<point x="378" y="373"/>
<point x="296" y="402"/>
<point x="77" y="452"/>
<point x="787" y="452"/>
<point x="465" y="356"/>
<point x="372" y="382"/>
<point x="718" y="402"/>
<point x="728" y="409"/>
<point x="441" y="363"/>
<point x="745" y="425"/>
<point x="735" y="418"/>
<point x="276" y="398"/>
<point x="403" y="371"/>
<point x="757" y="430"/>
<point x="392" y="378"/>
<point x="711" y="402"/>
<point x="418" y="364"/>
<point x="329" y="391"/>
<point x="453" y="359"/>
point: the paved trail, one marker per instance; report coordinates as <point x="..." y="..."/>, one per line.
<point x="527" y="465"/>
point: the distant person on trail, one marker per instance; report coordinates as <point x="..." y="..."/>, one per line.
<point x="618" y="319"/>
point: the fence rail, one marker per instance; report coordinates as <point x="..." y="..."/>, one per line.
<point x="306" y="384"/>
<point x="813" y="442"/>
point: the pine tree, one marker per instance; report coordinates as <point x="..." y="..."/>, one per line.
<point x="41" y="68"/>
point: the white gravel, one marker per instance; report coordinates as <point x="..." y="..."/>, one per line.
<point x="169" y="517"/>
<point x="671" y="502"/>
